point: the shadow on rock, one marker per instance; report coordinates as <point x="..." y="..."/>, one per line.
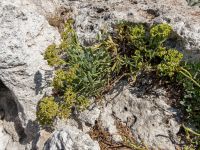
<point x="38" y="82"/>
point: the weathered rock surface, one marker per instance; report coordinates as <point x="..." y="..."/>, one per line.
<point x="7" y="142"/>
<point x="90" y="116"/>
<point x="41" y="138"/>
<point x="24" y="36"/>
<point x="4" y="138"/>
<point x="70" y="138"/>
<point x="93" y="16"/>
<point x="152" y="120"/>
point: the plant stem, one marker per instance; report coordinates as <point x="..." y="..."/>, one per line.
<point x="186" y="71"/>
<point x="190" y="130"/>
<point x="189" y="77"/>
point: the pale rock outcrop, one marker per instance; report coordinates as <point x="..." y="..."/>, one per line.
<point x="4" y="138"/>
<point x="150" y="117"/>
<point x="70" y="138"/>
<point x="24" y="36"/>
<point x="90" y="116"/>
<point x="40" y="140"/>
<point x="93" y="16"/>
<point x="109" y="122"/>
<point x="7" y="142"/>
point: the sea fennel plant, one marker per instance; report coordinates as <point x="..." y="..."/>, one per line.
<point x="80" y="74"/>
<point x="85" y="72"/>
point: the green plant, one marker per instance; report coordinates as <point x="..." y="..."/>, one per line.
<point x="81" y="73"/>
<point x="144" y="48"/>
<point x="188" y="77"/>
<point x="137" y="35"/>
<point x="85" y="72"/>
<point x="159" y="34"/>
<point x="52" y="56"/>
<point x="193" y="2"/>
<point x="47" y="111"/>
<point x="192" y="139"/>
<point x="170" y="62"/>
<point x="93" y="70"/>
<point x="191" y="101"/>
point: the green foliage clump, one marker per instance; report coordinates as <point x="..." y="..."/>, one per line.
<point x="52" y="56"/>
<point x="137" y="36"/>
<point x="144" y="48"/>
<point x="47" y="111"/>
<point x="193" y="2"/>
<point x="93" y="70"/>
<point x="191" y="97"/>
<point x="189" y="78"/>
<point x="170" y="63"/>
<point x="85" y="72"/>
<point x="159" y="34"/>
<point x="59" y="79"/>
<point x="81" y="72"/>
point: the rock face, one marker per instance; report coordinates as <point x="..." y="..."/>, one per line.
<point x="152" y="120"/>
<point x="93" y="16"/>
<point x="41" y="138"/>
<point x="70" y="138"/>
<point x="24" y="36"/>
<point x="4" y="138"/>
<point x="11" y="130"/>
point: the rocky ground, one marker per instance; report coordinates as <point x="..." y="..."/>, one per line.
<point x="27" y="27"/>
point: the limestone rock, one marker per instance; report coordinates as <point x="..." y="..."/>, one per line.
<point x="91" y="16"/>
<point x="90" y="116"/>
<point x="4" y="138"/>
<point x="70" y="138"/>
<point x="7" y="142"/>
<point x="152" y="120"/>
<point x="24" y="36"/>
<point x="108" y="122"/>
<point x="40" y="140"/>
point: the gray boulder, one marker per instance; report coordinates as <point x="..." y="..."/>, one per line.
<point x="70" y="138"/>
<point x="24" y="36"/>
